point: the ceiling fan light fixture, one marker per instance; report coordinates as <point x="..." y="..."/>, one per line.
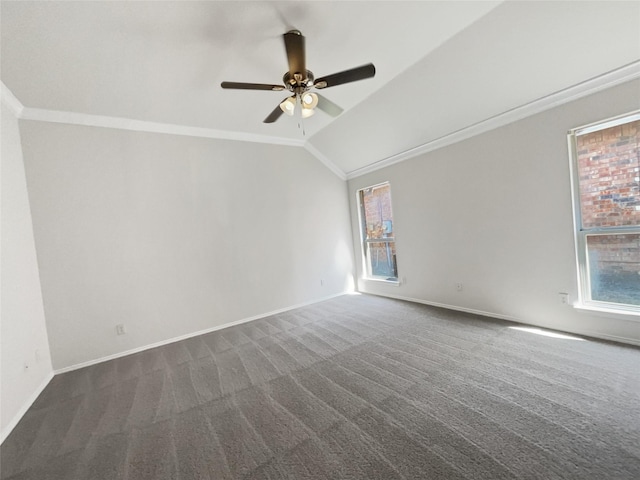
<point x="288" y="106"/>
<point x="309" y="100"/>
<point x="298" y="81"/>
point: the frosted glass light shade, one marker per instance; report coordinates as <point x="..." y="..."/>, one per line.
<point x="309" y="100"/>
<point x="288" y="106"/>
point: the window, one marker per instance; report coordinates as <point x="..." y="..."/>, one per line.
<point x="606" y="197"/>
<point x="378" y="242"/>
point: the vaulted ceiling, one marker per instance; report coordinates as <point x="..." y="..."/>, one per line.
<point x="442" y="67"/>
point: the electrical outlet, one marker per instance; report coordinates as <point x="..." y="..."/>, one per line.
<point x="120" y="329"/>
<point x="459" y="287"/>
<point x="564" y="298"/>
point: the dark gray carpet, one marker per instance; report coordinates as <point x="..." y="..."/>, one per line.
<point x="358" y="387"/>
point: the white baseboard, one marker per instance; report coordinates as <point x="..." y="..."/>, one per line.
<point x="26" y="406"/>
<point x="612" y="338"/>
<point x="192" y="334"/>
<point x="583" y="332"/>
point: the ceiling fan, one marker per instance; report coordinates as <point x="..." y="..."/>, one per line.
<point x="300" y="81"/>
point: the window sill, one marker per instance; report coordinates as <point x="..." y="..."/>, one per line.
<point x="395" y="283"/>
<point x="618" y="313"/>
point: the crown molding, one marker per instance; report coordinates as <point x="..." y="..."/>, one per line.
<point x="74" y="118"/>
<point x="588" y="87"/>
<point x="83" y="119"/>
<point x="323" y="159"/>
<point x="10" y="100"/>
<point x="594" y="85"/>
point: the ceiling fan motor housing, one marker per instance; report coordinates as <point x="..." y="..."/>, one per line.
<point x="297" y="83"/>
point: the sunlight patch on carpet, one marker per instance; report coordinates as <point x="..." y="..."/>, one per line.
<point x="547" y="333"/>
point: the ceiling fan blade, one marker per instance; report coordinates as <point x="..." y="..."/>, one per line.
<point x="275" y="115"/>
<point x="294" y="44"/>
<point x="352" y="75"/>
<point x="328" y="106"/>
<point x="252" y="86"/>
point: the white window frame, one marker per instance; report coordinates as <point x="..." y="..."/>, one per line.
<point x="367" y="273"/>
<point x="580" y="234"/>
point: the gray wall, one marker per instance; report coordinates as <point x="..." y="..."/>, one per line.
<point x="23" y="334"/>
<point x="172" y="235"/>
<point x="494" y="213"/>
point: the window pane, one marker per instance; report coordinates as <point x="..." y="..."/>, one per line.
<point x="376" y="202"/>
<point x="382" y="258"/>
<point x="614" y="268"/>
<point x="377" y="224"/>
<point x="609" y="170"/>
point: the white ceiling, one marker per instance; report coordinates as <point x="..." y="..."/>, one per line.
<point x="441" y="66"/>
